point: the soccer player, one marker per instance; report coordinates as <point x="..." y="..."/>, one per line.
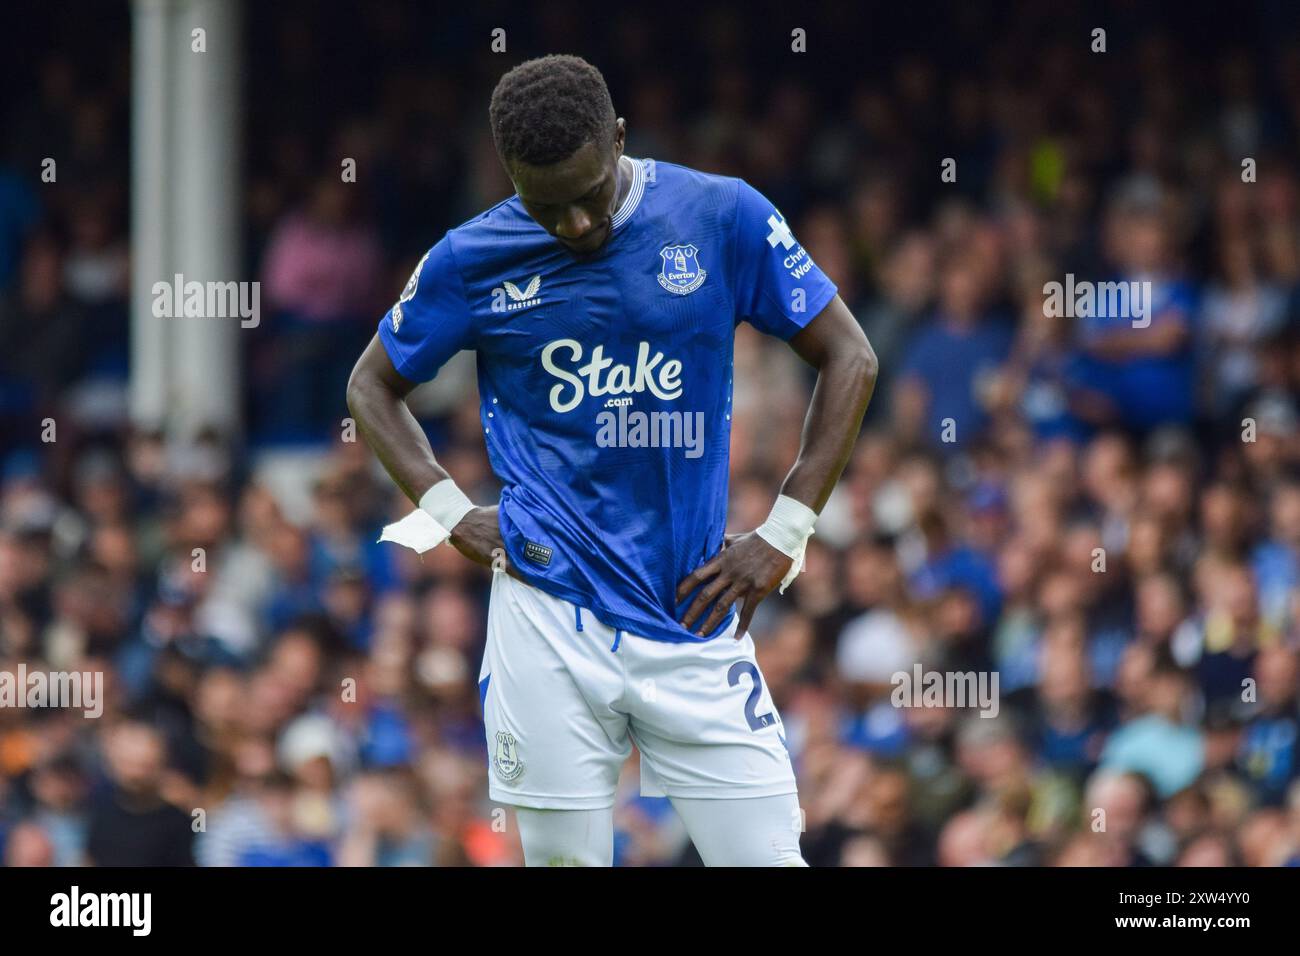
<point x="602" y="300"/>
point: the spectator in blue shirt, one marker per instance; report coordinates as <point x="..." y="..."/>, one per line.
<point x="1138" y="360"/>
<point x="950" y="362"/>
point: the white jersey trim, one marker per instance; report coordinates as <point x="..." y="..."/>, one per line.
<point x="634" y="194"/>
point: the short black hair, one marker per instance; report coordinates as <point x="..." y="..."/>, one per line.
<point x="546" y="109"/>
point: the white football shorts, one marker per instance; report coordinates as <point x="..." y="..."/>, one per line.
<point x="565" y="697"/>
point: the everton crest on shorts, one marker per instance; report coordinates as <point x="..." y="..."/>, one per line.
<point x="505" y="759"/>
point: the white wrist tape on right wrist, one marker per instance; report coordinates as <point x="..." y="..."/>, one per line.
<point x="446" y="504"/>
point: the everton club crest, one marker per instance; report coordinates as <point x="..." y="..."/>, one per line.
<point x="681" y="273"/>
<point x="505" y="760"/>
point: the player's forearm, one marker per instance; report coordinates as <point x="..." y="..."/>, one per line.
<point x="845" y="383"/>
<point x="397" y="440"/>
<point x="393" y="433"/>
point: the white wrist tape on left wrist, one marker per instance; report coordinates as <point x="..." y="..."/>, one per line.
<point x="788" y="529"/>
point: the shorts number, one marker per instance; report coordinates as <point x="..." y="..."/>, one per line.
<point x="756" y="721"/>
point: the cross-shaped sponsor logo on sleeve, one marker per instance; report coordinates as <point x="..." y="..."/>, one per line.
<point x="780" y="233"/>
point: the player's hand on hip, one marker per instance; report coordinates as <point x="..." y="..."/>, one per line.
<point x="478" y="537"/>
<point x="746" y="570"/>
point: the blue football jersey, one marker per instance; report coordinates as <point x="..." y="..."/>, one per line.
<point x="605" y="382"/>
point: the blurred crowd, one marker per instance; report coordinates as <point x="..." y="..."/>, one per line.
<point x="1107" y="517"/>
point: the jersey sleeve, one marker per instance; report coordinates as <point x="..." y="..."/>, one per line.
<point x="778" y="288"/>
<point x="431" y="320"/>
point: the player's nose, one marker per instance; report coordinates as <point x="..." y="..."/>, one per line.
<point x="573" y="225"/>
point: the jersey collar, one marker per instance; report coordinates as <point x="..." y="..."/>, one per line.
<point x="634" y="194"/>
